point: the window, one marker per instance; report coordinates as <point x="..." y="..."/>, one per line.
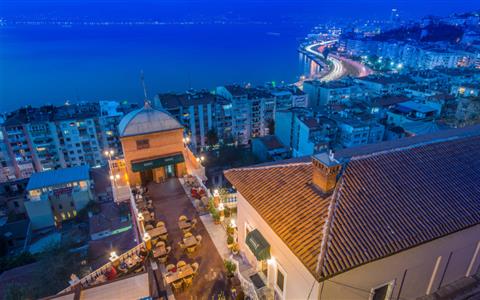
<point x="15" y="203"/>
<point x="60" y="206"/>
<point x="382" y="292"/>
<point x="280" y="280"/>
<point x="143" y="144"/>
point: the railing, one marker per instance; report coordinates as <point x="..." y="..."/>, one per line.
<point x="247" y="285"/>
<point x="90" y="278"/>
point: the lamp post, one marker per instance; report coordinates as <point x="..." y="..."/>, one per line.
<point x="147" y="239"/>
<point x="114" y="179"/>
<point x="114" y="259"/>
<point x="109" y="154"/>
<point x="221" y="209"/>
<point x="141" y="219"/>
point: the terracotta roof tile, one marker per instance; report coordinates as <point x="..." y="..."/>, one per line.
<point x="385" y="202"/>
<point x="282" y="195"/>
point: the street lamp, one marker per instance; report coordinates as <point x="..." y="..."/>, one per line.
<point x="109" y="154"/>
<point x="147" y="239"/>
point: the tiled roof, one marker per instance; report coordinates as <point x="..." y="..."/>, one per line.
<point x="282" y="195"/>
<point x="385" y="202"/>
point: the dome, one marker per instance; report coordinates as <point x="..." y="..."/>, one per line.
<point x="147" y="120"/>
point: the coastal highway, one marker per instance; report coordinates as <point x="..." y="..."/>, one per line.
<point x="340" y="65"/>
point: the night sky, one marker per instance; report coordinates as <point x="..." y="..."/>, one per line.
<point x="255" y="9"/>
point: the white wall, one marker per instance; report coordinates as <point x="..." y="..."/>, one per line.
<point x="298" y="279"/>
<point x="415" y="267"/>
<point x="416" y="272"/>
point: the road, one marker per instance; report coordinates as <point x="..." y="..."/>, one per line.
<point x="338" y="63"/>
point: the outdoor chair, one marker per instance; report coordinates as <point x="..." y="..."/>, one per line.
<point x="195" y="267"/>
<point x="181" y="263"/>
<point x="188" y="234"/>
<point x="160" y="224"/>
<point x="182" y="218"/>
<point x="199" y="239"/>
<point x="170" y="267"/>
<point x="163" y="259"/>
<point x="160" y="244"/>
<point x="177" y="285"/>
<point x="164" y="237"/>
<point x="181" y="245"/>
<point x="187" y="281"/>
<point x="148" y="227"/>
<point x="194" y="223"/>
<point x="191" y="249"/>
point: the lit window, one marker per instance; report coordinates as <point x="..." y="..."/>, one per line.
<point x="63" y="216"/>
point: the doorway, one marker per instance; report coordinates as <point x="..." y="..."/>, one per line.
<point x="146" y="176"/>
<point x="170" y="171"/>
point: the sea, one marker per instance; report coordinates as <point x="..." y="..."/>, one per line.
<point x="51" y="64"/>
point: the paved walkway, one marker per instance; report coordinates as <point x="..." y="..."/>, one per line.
<point x="170" y="202"/>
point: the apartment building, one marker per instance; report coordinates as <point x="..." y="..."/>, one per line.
<point x="252" y="111"/>
<point x="199" y="112"/>
<point x="380" y="85"/>
<point x="304" y="133"/>
<point x="49" y="137"/>
<point x="323" y="94"/>
<point x="57" y="195"/>
<point x="355" y="132"/>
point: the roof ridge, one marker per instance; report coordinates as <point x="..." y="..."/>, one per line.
<point x="269" y="166"/>
<point x="327" y="226"/>
<point x="411" y="146"/>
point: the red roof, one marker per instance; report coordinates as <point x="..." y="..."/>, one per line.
<point x="385" y="202"/>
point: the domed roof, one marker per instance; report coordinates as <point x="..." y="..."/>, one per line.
<point x="147" y="120"/>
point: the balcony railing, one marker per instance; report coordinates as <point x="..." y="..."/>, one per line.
<point x="91" y="278"/>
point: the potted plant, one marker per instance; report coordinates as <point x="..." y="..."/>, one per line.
<point x="230" y="230"/>
<point x="231" y="267"/>
<point x="230" y="241"/>
<point x="235" y="249"/>
<point x="227" y="212"/>
<point x="216" y="217"/>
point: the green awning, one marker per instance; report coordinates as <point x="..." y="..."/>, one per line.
<point x="156" y="162"/>
<point x="259" y="246"/>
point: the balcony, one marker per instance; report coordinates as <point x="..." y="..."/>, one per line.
<point x="254" y="283"/>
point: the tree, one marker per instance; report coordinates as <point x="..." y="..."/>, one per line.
<point x="212" y="137"/>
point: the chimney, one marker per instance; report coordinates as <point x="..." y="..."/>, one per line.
<point x="325" y="171"/>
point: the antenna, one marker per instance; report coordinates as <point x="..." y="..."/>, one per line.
<point x="142" y="78"/>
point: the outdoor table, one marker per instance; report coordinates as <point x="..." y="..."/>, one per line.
<point x="159" y="251"/>
<point x="157" y="231"/>
<point x="141" y="205"/>
<point x="147" y="216"/>
<point x="184" y="224"/>
<point x="190" y="241"/>
<point x="180" y="273"/>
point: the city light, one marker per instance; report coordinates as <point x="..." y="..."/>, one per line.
<point x="113" y="256"/>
